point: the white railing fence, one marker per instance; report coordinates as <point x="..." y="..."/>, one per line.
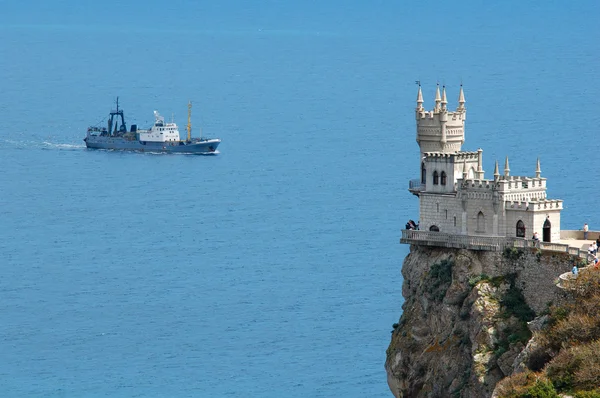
<point x="474" y="242"/>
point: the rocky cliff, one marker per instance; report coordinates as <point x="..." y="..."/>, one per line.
<point x="464" y="320"/>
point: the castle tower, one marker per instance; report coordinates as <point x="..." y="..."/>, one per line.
<point x="440" y="130"/>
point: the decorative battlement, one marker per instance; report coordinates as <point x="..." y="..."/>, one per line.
<point x="457" y="156"/>
<point x="433" y="116"/>
<point x="440" y="130"/>
<point x="512" y="183"/>
<point x="530" y="185"/>
<point x="472" y="185"/>
<point x="534" y="205"/>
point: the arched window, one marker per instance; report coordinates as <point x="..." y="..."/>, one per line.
<point x="443" y="182"/>
<point x="455" y="221"/>
<point x="423" y="173"/>
<point x="546" y="230"/>
<point x="520" y="229"/>
<point x="471" y="174"/>
<point x="434" y="228"/>
<point x="480" y="222"/>
<point x="435" y="178"/>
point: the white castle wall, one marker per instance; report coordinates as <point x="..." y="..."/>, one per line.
<point x="510" y="219"/>
<point x="441" y="211"/>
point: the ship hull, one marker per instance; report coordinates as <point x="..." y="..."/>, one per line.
<point x="200" y="147"/>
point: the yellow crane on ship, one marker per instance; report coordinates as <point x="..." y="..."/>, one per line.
<point x="189" y="125"/>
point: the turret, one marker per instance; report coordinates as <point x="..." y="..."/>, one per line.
<point x="443" y="115"/>
<point x="438" y="99"/>
<point x="538" y="171"/>
<point x="444" y="100"/>
<point x="479" y="164"/>
<point x="461" y="100"/>
<point x="496" y="173"/>
<point x="439" y="130"/>
<point x="419" y="99"/>
<point x="506" y="168"/>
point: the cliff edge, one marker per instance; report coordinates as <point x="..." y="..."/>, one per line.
<point x="465" y="319"/>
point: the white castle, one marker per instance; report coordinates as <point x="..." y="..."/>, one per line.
<point x="454" y="195"/>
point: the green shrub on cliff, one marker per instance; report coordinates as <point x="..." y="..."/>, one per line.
<point x="515" y="310"/>
<point x="526" y="385"/>
<point x="587" y="394"/>
<point x="541" y="389"/>
<point x="512" y="253"/>
<point x="439" y="279"/>
<point x="515" y="304"/>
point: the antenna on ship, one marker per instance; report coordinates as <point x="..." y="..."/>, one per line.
<point x="189" y="125"/>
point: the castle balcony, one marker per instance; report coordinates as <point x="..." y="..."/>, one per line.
<point x="490" y="243"/>
<point x="416" y="187"/>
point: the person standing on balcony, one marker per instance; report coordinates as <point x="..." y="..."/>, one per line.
<point x="585" y="231"/>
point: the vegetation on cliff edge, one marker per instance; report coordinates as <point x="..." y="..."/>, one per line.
<point x="566" y="360"/>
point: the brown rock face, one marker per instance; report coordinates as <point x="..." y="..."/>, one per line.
<point x="463" y="322"/>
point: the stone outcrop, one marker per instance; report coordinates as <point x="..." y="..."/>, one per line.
<point x="463" y="326"/>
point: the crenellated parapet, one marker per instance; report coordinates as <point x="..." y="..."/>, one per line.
<point x="439" y="129"/>
<point x="533" y="205"/>
<point x="459" y="156"/>
<point x="518" y="183"/>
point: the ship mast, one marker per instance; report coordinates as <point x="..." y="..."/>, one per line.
<point x="189" y="125"/>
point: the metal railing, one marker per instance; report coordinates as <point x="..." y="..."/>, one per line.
<point x="416" y="185"/>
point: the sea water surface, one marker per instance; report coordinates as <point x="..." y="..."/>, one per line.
<point x="273" y="268"/>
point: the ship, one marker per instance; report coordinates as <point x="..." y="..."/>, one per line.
<point x="161" y="137"/>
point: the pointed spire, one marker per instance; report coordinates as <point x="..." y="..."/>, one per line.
<point x="444" y="100"/>
<point x="479" y="164"/>
<point x="496" y="172"/>
<point x="538" y="170"/>
<point x="420" y="98"/>
<point x="506" y="168"/>
<point x="461" y="99"/>
<point x="464" y="170"/>
<point x="438" y="99"/>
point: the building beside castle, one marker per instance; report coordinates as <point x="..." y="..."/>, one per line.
<point x="454" y="195"/>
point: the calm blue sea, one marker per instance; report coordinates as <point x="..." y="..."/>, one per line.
<point x="272" y="269"/>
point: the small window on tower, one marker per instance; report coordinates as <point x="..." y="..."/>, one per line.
<point x="443" y="178"/>
<point x="435" y="178"/>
